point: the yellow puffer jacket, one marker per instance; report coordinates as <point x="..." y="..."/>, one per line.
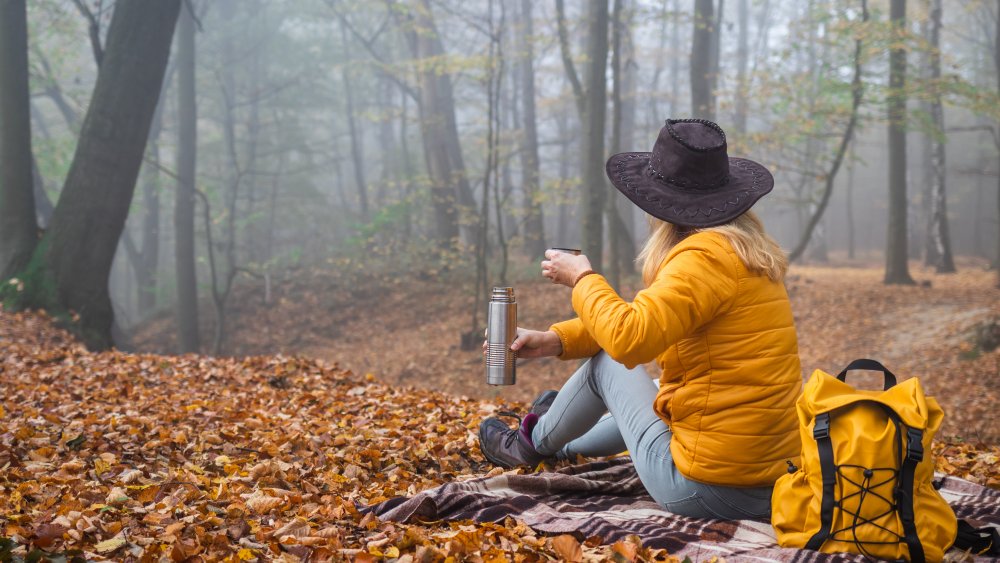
<point x="725" y="340"/>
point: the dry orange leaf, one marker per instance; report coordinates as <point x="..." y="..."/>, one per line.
<point x="568" y="548"/>
<point x="261" y="503"/>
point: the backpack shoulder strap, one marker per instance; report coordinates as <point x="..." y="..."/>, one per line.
<point x="905" y="493"/>
<point x="821" y="433"/>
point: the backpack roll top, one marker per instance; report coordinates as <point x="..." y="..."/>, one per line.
<point x="864" y="485"/>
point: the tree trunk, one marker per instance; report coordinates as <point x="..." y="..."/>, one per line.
<point x="977" y="220"/>
<point x="896" y="267"/>
<point x="813" y="67"/>
<point x="591" y="105"/>
<point x="926" y="141"/>
<point x="511" y="123"/>
<point x="818" y="248"/>
<point x="562" y="225"/>
<point x="534" y="226"/>
<point x="495" y="100"/>
<point x="43" y="205"/>
<point x="592" y="169"/>
<point x="444" y="102"/>
<point x="18" y="230"/>
<point x="653" y="115"/>
<point x="406" y="182"/>
<point x="996" y="61"/>
<point x="149" y="254"/>
<point x="622" y="121"/>
<point x="567" y="59"/>
<point x="250" y="169"/>
<point x="630" y="83"/>
<point x="450" y="189"/>
<point x="389" y="172"/>
<point x="145" y="259"/>
<point x="675" y="68"/>
<point x="272" y="213"/>
<point x="357" y="157"/>
<point x="494" y="92"/>
<point x="237" y="171"/>
<point x="713" y="64"/>
<point x="938" y="237"/>
<point x="70" y="268"/>
<point x="742" y="59"/>
<point x="613" y="274"/>
<point x="850" y="203"/>
<point x="702" y="47"/>
<point x="184" y="203"/>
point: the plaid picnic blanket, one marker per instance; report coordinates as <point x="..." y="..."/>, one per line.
<point x="606" y="499"/>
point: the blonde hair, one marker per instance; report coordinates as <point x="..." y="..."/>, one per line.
<point x="756" y="249"/>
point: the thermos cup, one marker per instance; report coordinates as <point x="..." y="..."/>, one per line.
<point x="573" y="251"/>
<point x="501" y="322"/>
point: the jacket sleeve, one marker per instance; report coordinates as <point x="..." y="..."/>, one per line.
<point x="696" y="283"/>
<point x="576" y="341"/>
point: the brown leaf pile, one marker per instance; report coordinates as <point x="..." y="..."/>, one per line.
<point x="147" y="457"/>
<point x="144" y="457"/>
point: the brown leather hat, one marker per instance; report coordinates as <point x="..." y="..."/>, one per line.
<point x="689" y="178"/>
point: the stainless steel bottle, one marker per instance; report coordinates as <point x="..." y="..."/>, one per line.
<point x="501" y="330"/>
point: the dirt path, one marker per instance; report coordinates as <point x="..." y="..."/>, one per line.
<point x="918" y="331"/>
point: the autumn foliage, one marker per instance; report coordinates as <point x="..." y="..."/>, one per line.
<point x="148" y="457"/>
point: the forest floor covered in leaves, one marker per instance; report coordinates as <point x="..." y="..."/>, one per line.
<point x="406" y="330"/>
<point x="143" y="456"/>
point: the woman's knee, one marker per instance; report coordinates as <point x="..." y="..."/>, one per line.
<point x="598" y="367"/>
<point x="602" y="361"/>
<point x="602" y="370"/>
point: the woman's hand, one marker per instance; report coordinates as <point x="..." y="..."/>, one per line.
<point x="533" y="343"/>
<point x="564" y="268"/>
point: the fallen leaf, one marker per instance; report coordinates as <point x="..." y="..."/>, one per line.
<point x="109" y="546"/>
<point x="568" y="548"/>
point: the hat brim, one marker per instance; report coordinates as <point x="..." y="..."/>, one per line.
<point x="748" y="182"/>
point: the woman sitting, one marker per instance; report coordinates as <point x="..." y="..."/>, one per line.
<point x="712" y="440"/>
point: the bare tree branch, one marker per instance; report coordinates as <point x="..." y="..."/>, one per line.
<point x="990" y="128"/>
<point x="567" y="59"/>
<point x="976" y="172"/>
<point x="466" y="18"/>
<point x="370" y="47"/>
<point x="207" y="215"/>
<point x="55" y="93"/>
<point x="93" y="28"/>
<point x="857" y="93"/>
<point x="189" y="6"/>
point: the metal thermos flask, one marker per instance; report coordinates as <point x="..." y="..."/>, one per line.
<point x="501" y="330"/>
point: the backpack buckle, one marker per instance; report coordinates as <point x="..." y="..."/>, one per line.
<point x="821" y="429"/>
<point x="914" y="444"/>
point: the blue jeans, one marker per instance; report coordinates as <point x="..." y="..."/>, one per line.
<point x="605" y="409"/>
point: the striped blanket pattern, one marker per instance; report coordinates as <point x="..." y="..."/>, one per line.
<point x="606" y="499"/>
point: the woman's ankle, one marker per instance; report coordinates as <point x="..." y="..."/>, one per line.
<point x="527" y="425"/>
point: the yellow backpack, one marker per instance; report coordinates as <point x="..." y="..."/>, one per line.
<point x="865" y="481"/>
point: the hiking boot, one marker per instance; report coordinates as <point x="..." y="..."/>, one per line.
<point x="509" y="447"/>
<point x="543" y="402"/>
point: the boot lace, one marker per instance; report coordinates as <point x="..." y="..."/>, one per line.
<point x="511" y="436"/>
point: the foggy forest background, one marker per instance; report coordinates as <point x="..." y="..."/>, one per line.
<point x="437" y="139"/>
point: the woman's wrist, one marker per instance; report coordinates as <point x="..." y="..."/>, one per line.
<point x="582" y="275"/>
<point x="556" y="342"/>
